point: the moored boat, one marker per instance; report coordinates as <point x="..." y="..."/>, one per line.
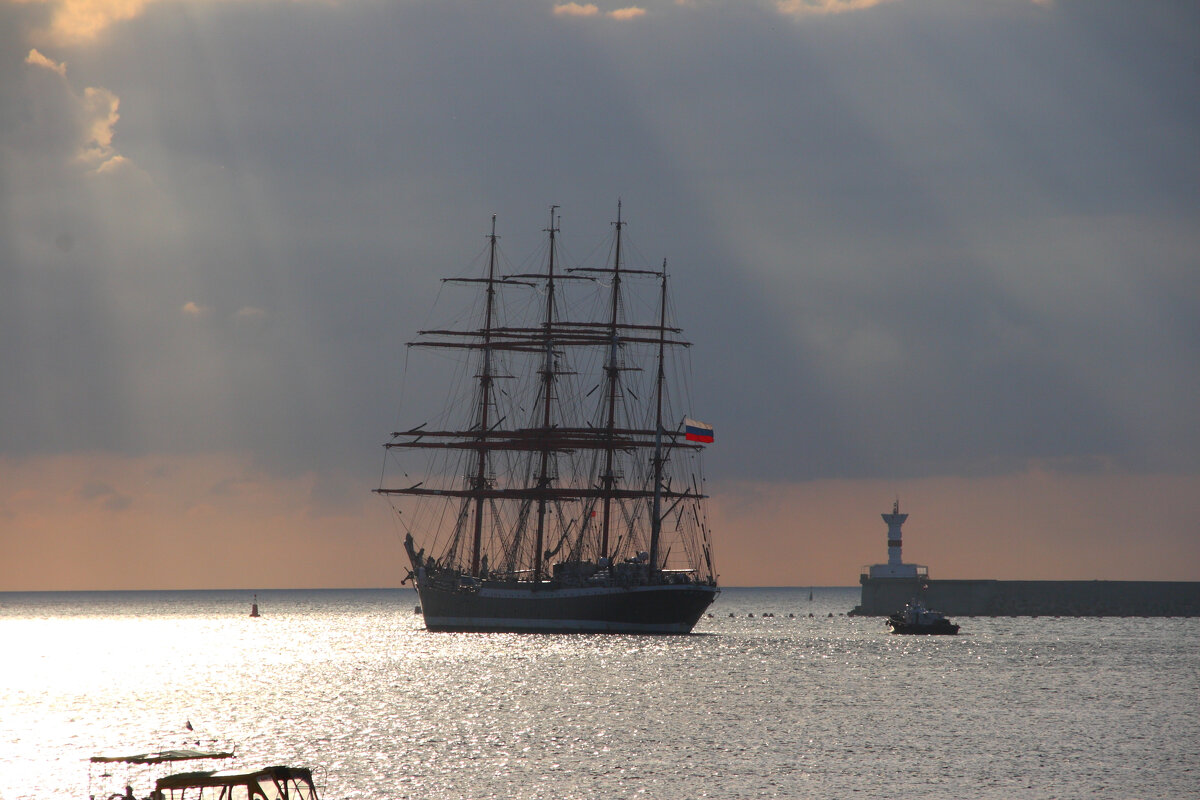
<point x="565" y="498"/>
<point x="284" y="783"/>
<point x="217" y="782"/>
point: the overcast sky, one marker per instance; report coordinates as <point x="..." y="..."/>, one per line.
<point x="948" y="250"/>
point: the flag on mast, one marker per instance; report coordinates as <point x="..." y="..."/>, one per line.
<point x="698" y="431"/>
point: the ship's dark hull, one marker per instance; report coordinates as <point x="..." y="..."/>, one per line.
<point x="940" y="628"/>
<point x="669" y="608"/>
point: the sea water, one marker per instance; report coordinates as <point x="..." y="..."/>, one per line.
<point x="775" y="695"/>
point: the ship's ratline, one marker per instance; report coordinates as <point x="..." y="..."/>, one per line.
<point x="561" y="489"/>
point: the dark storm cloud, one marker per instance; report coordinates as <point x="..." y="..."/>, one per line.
<point x="908" y="240"/>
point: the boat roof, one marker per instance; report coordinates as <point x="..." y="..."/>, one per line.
<point x="234" y="777"/>
<point x="163" y="756"/>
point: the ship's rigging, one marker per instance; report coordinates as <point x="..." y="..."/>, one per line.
<point x="571" y="465"/>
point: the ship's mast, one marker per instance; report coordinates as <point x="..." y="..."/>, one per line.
<point x="613" y="370"/>
<point x="485" y="390"/>
<point x="547" y="393"/>
<point x="656" y="511"/>
<point x="547" y="435"/>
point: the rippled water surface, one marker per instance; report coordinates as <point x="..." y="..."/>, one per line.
<point x="750" y="706"/>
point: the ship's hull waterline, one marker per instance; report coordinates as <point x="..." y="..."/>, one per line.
<point x="659" y="609"/>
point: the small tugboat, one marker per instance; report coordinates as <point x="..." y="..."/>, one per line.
<point x="915" y="618"/>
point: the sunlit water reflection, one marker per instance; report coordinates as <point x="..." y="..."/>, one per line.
<point x="777" y="706"/>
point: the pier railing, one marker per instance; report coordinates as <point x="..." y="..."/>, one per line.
<point x="922" y="572"/>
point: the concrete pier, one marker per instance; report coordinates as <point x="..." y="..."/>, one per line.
<point x="992" y="598"/>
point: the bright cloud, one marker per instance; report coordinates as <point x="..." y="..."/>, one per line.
<point x="112" y="164"/>
<point x="576" y="10"/>
<point x="813" y="8"/>
<point x="592" y="10"/>
<point x="100" y="116"/>
<point x="38" y="60"/>
<point x="193" y="309"/>
<point x="633" y="12"/>
<point x="94" y="115"/>
<point x="76" y="21"/>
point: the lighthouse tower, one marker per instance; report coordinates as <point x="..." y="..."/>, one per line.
<point x="895" y="566"/>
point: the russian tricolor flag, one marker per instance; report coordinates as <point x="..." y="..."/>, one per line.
<point x="698" y="431"/>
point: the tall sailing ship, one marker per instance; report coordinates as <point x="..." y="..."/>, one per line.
<point x="560" y="490"/>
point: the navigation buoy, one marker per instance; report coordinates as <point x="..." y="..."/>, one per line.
<point x="254" y="607"/>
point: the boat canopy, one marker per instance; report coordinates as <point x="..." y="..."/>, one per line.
<point x="263" y="783"/>
<point x="163" y="757"/>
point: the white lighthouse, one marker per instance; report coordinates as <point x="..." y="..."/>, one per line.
<point x="895" y="566"/>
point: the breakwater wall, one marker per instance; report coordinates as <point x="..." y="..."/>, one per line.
<point x="992" y="598"/>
